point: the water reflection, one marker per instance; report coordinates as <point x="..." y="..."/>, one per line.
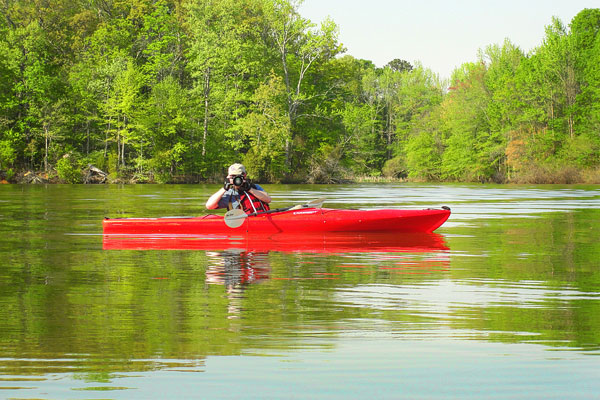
<point x="322" y="242"/>
<point x="238" y="261"/>
<point x="236" y="269"/>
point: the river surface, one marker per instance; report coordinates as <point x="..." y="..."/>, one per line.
<point x="503" y="301"/>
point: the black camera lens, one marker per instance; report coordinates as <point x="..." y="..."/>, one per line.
<point x="238" y="180"/>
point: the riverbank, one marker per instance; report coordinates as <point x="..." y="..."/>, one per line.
<point x="93" y="175"/>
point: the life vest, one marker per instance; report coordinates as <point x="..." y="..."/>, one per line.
<point x="250" y="203"/>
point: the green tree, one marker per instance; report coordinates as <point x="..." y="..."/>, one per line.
<point x="549" y="90"/>
<point x="399" y="65"/>
<point x="350" y="123"/>
<point x="359" y="140"/>
<point x="419" y="93"/>
<point x="424" y="151"/>
<point x="585" y="29"/>
<point x="299" y="48"/>
<point x="122" y="107"/>
<point x="162" y="40"/>
<point x="390" y="83"/>
<point x="465" y="108"/>
<point x="503" y="63"/>
<point x="11" y="136"/>
<point x="39" y="88"/>
<point x="224" y="63"/>
<point x="163" y="143"/>
<point x="266" y="130"/>
<point x="504" y="106"/>
<point x="372" y="96"/>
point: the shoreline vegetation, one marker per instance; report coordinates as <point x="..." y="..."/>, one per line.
<point x="165" y="91"/>
<point x="92" y="175"/>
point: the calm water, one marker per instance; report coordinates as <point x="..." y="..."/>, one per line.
<point x="504" y="302"/>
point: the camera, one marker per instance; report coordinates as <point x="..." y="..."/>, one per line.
<point x="238" y="180"/>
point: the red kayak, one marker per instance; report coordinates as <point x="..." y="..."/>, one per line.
<point x="294" y="220"/>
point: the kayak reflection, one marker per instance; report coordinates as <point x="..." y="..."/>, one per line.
<point x="323" y="242"/>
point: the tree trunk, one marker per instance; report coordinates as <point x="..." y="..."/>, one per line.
<point x="118" y="144"/>
<point x="123" y="144"/>
<point x="571" y="94"/>
<point x="47" y="140"/>
<point x="106" y="138"/>
<point x="290" y="101"/>
<point x="389" y="132"/>
<point x="206" y="113"/>
<point x="87" y="129"/>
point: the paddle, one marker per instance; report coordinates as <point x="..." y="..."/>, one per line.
<point x="235" y="218"/>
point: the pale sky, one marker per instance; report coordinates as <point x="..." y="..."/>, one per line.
<point x="442" y="35"/>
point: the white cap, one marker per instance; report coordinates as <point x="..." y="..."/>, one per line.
<point x="237" y="169"/>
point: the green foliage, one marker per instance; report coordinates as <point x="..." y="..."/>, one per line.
<point x="97" y="159"/>
<point x="326" y="166"/>
<point x="167" y="91"/>
<point x="112" y="164"/>
<point x="399" y="65"/>
<point x="301" y="49"/>
<point x="394" y="168"/>
<point x="68" y="169"/>
<point x="423" y="157"/>
<point x="360" y="138"/>
<point x="467" y="147"/>
<point x="266" y="130"/>
<point x="585" y="29"/>
<point x="8" y="149"/>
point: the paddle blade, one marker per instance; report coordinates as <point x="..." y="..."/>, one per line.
<point x="316" y="203"/>
<point x="235" y="218"/>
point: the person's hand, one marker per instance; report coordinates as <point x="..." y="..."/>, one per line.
<point x="227" y="185"/>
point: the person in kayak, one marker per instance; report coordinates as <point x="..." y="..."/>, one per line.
<point x="239" y="192"/>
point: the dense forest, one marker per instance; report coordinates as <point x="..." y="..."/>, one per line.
<point x="176" y="90"/>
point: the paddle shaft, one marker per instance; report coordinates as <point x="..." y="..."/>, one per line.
<point x="231" y="220"/>
<point x="269" y="211"/>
